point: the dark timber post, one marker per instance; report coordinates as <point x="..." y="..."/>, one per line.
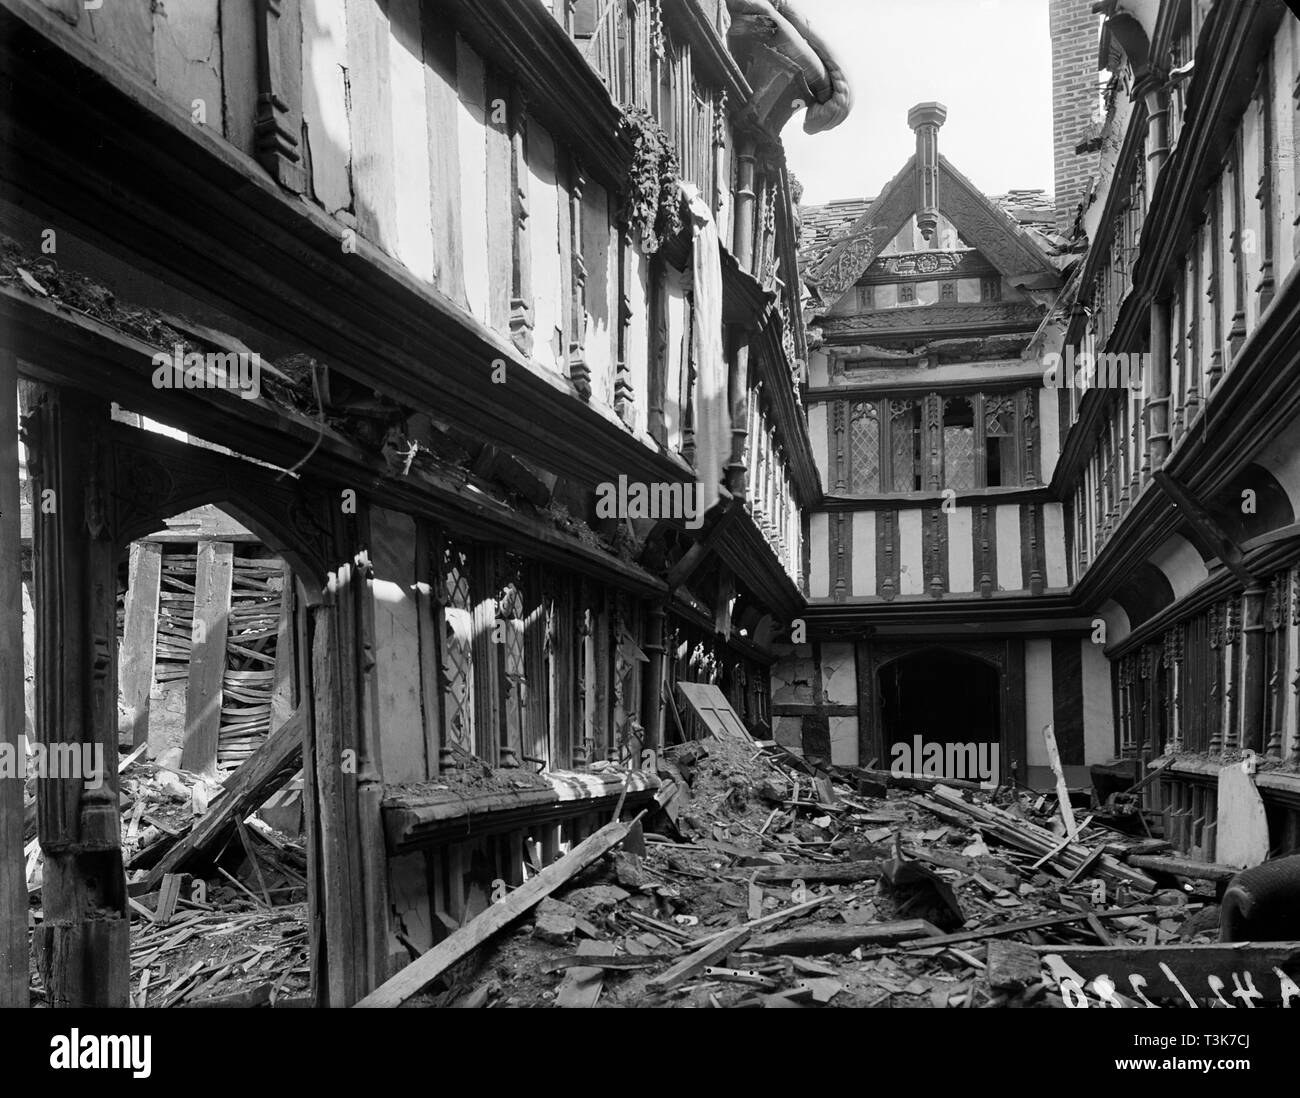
<point x="82" y="946"/>
<point x="1252" y="685"/>
<point x="13" y="882"/>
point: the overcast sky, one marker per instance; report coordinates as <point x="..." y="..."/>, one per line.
<point x="988" y="61"/>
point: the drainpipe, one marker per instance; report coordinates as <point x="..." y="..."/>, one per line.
<point x="1154" y="92"/>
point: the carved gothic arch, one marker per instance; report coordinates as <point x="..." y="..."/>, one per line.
<point x="149" y="477"/>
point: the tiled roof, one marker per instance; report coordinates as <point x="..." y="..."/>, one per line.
<point x="823" y="225"/>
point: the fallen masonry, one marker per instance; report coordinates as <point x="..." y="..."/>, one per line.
<point x="772" y="888"/>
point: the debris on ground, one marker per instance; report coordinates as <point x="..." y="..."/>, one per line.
<point x="231" y="933"/>
<point x="769" y="881"/>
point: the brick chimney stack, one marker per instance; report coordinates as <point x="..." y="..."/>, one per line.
<point x="1074" y="31"/>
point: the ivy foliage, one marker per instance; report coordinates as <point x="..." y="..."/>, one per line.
<point x="653" y="204"/>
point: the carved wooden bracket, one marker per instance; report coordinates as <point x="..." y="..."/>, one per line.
<point x="277" y="126"/>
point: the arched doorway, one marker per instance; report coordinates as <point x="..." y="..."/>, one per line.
<point x="940" y="714"/>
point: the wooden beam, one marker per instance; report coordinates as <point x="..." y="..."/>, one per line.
<point x="83" y="945"/>
<point x="1204" y="528"/>
<point x="427" y="968"/>
<point x="1182" y="867"/>
<point x="694" y="963"/>
<point x="140" y="636"/>
<point x="1062" y="790"/>
<point x="207" y="656"/>
<point x="1030" y="924"/>
<point x="819" y="871"/>
<point x="282" y="689"/>
<point x="845" y="939"/>
<point x="13" y="887"/>
<point x="275" y="762"/>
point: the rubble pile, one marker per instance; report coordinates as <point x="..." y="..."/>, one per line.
<point x="231" y="933"/>
<point x="767" y="881"/>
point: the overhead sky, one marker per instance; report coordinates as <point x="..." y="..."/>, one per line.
<point x="988" y="61"/>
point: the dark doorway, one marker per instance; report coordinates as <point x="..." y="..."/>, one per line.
<point x="941" y="697"/>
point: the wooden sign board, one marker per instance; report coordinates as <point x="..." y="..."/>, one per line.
<point x="1240" y="974"/>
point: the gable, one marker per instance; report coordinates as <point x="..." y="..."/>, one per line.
<point x="981" y="224"/>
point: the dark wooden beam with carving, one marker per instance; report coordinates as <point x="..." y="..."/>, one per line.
<point x="82" y="946"/>
<point x="13" y="885"/>
<point x="277" y="129"/>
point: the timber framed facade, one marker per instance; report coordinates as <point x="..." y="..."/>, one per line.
<point x="430" y="222"/>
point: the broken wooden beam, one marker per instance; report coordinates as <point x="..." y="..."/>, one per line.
<point x="203" y="696"/>
<point x="694" y="963"/>
<point x="275" y="762"/>
<point x="1182" y="867"/>
<point x="949" y="804"/>
<point x="428" y="967"/>
<point x="922" y="782"/>
<point x="618" y="962"/>
<point x="844" y="939"/>
<point x="842" y="872"/>
<point x="1030" y="924"/>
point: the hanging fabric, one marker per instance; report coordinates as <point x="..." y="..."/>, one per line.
<point x="712" y="412"/>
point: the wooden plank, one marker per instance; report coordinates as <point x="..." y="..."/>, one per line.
<point x="581" y="985"/>
<point x="13" y="879"/>
<point x="1219" y="970"/>
<point x="845" y="939"/>
<point x="694" y="963"/>
<point x="818" y="871"/>
<point x="168" y="894"/>
<point x="1062" y="790"/>
<point x="244" y="791"/>
<point x="1242" y="826"/>
<point x="1031" y="924"/>
<point x="207" y="657"/>
<point x="1183" y="867"/>
<point x="139" y="637"/>
<point x="597" y="958"/>
<point x="282" y="688"/>
<point x="419" y="973"/>
<point x="430" y="627"/>
<point x="711" y="706"/>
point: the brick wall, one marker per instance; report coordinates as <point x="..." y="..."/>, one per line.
<point x="1074" y="30"/>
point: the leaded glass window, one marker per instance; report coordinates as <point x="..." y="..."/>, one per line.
<point x="958" y="444"/>
<point x="905" y="445"/>
<point x="864" y="455"/>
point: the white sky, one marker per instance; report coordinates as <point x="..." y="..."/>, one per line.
<point x="988" y="61"/>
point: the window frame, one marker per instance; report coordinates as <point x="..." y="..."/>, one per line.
<point x="886" y="411"/>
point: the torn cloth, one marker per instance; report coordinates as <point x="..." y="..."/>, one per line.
<point x="712" y="419"/>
